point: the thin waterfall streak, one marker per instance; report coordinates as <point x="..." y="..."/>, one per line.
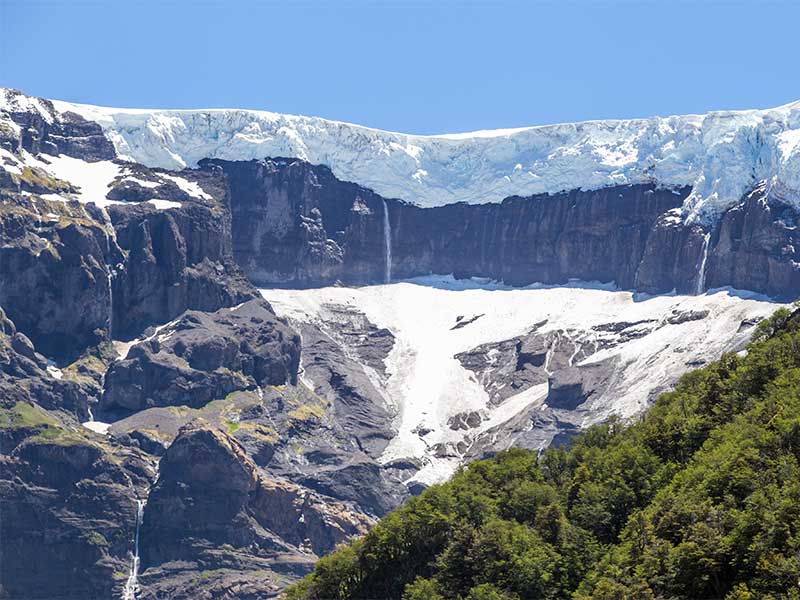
<point x="132" y="584"/>
<point x="387" y="243"/>
<point x="110" y="233"/>
<point x="701" y="273"/>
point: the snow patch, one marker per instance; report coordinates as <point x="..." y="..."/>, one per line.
<point x="162" y="204"/>
<point x="427" y="385"/>
<point x="190" y="187"/>
<point x="97" y="426"/>
<point x="92" y="178"/>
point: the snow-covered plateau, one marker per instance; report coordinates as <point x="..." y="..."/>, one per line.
<point x="721" y="155"/>
<point x="641" y="345"/>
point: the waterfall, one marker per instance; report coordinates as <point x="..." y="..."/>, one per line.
<point x="110" y="233"/>
<point x="387" y="243"/>
<point x="132" y="585"/>
<point x="701" y="273"/>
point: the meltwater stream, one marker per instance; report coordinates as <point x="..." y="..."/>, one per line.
<point x="701" y="273"/>
<point x="132" y="584"/>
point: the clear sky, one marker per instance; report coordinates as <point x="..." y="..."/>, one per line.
<point x="414" y="66"/>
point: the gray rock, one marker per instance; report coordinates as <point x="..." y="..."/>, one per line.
<point x="296" y="223"/>
<point x="202" y="357"/>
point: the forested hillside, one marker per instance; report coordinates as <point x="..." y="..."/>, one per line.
<point x="699" y="499"/>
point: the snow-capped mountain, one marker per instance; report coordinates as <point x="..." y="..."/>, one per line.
<point x="720" y="155"/>
<point x="642" y="203"/>
<point x="212" y="427"/>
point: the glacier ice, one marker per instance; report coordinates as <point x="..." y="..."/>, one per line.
<point x="721" y="155"/>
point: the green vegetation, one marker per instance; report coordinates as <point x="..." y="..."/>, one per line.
<point x="39" y="180"/>
<point x="89" y="368"/>
<point x="28" y="416"/>
<point x="38" y="424"/>
<point x="699" y="499"/>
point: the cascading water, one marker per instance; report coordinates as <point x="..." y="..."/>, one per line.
<point x="701" y="273"/>
<point x="110" y="233"/>
<point x="387" y="244"/>
<point x="132" y="584"/>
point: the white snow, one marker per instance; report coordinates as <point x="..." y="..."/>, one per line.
<point x="123" y="347"/>
<point x="9" y="162"/>
<point x="721" y="155"/>
<point x="97" y="426"/>
<point x="12" y="101"/>
<point x="53" y="370"/>
<point x="93" y="178"/>
<point x="190" y="187"/>
<point x="140" y="182"/>
<point x="426" y="385"/>
<point x="162" y="204"/>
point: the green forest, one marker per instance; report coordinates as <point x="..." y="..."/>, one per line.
<point x="699" y="498"/>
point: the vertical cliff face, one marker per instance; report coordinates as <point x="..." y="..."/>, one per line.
<point x="175" y="259"/>
<point x="598" y="235"/>
<point x="297" y="224"/>
<point x="756" y="246"/>
<point x="294" y="223"/>
<point x="92" y="247"/>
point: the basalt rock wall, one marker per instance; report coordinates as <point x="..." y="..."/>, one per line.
<point x="295" y="224"/>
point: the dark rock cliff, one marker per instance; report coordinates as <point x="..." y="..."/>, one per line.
<point x="296" y="224"/>
<point x="262" y="473"/>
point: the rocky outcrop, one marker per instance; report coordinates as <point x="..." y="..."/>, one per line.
<point x="175" y="259"/>
<point x="55" y="282"/>
<point x="24" y="375"/>
<point x="756" y="246"/>
<point x="68" y="514"/>
<point x="202" y="357"/>
<point x="163" y="247"/>
<point x="210" y="496"/>
<point x="38" y="127"/>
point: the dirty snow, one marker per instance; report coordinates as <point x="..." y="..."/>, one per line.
<point x="426" y="385"/>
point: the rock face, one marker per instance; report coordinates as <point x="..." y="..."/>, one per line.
<point x="24" y="375"/>
<point x="201" y="357"/>
<point x="295" y="223"/>
<point x="757" y="246"/>
<point x="40" y="128"/>
<point x="61" y="262"/>
<point x="236" y="460"/>
<point x="176" y="259"/>
<point x="211" y="495"/>
<point x="103" y="272"/>
<point x="329" y="230"/>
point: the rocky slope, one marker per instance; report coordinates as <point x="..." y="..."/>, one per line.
<point x="455" y="370"/>
<point x="120" y="297"/>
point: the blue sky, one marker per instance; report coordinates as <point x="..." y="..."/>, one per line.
<point x="413" y="66"/>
